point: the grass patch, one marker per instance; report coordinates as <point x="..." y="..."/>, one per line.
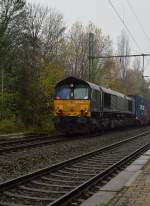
<point x="11" y="126"/>
<point x="47" y="126"/>
<point x="101" y="204"/>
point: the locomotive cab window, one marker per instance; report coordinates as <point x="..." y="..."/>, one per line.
<point x="63" y="92"/>
<point x="72" y="91"/>
<point x="81" y="92"/>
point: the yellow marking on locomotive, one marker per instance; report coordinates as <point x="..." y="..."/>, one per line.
<point x="72" y="108"/>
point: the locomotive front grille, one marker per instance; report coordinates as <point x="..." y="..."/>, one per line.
<point x="72" y="107"/>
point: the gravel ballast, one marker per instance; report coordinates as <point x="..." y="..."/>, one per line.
<point x="22" y="162"/>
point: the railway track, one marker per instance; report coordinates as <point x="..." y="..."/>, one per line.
<point x="63" y="183"/>
<point x="29" y="141"/>
<point x="35" y="140"/>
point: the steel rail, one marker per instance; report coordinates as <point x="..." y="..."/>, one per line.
<point x="62" y="200"/>
<point x="56" y="166"/>
<point x="14" y="136"/>
<point x="69" y="197"/>
<point x="14" y="145"/>
<point x="35" y="140"/>
<point x="25" y="138"/>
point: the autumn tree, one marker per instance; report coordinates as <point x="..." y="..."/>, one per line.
<point x="31" y="39"/>
<point x="43" y="32"/>
<point x="12" y="18"/>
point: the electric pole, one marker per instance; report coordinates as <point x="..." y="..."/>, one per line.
<point x="143" y="65"/>
<point x="91" y="41"/>
<point x="2" y="92"/>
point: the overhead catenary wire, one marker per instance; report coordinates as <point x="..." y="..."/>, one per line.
<point x="126" y="27"/>
<point x="138" y="20"/>
<point x="120" y="56"/>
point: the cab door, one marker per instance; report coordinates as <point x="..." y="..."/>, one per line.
<point x="96" y="101"/>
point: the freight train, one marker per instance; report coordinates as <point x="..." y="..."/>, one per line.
<point x="81" y="106"/>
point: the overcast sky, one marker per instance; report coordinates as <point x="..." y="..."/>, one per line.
<point x="101" y="13"/>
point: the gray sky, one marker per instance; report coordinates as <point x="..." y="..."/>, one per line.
<point x="101" y="13"/>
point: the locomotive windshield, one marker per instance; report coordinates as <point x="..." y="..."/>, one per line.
<point x="63" y="92"/>
<point x="67" y="92"/>
<point x="81" y="93"/>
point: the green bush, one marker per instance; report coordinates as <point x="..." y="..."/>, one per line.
<point x="47" y="125"/>
<point x="101" y="204"/>
<point x="11" y="126"/>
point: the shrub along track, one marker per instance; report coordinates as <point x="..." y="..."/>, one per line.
<point x="65" y="182"/>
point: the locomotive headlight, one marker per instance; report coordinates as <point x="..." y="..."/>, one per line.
<point x="59" y="110"/>
<point x="84" y="112"/>
<point x="71" y="85"/>
<point x="60" y="107"/>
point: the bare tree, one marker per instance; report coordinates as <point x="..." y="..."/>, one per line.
<point x="102" y="46"/>
<point x="78" y="49"/>
<point x="12" y="13"/>
<point x="45" y="30"/>
<point x="53" y="34"/>
<point x="123" y="49"/>
<point x="137" y="64"/>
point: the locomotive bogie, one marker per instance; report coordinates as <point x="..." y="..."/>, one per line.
<point x="73" y="125"/>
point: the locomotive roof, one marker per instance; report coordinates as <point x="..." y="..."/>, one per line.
<point x="76" y="80"/>
<point x="109" y="91"/>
